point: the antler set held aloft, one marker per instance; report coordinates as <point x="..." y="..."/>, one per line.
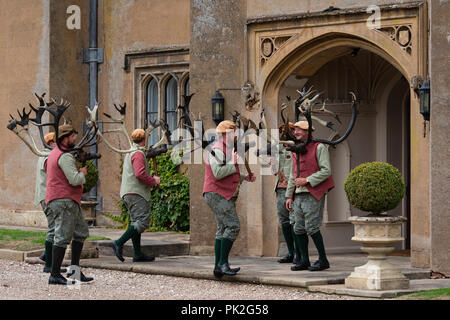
<point x="92" y="135"/>
<point x="150" y="151"/>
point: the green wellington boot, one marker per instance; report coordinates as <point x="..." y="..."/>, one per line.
<point x="138" y="256"/>
<point x="301" y="241"/>
<point x="118" y="244"/>
<point x="217" y="248"/>
<point x="287" y="233"/>
<point x="223" y="265"/>
<point x="322" y="263"/>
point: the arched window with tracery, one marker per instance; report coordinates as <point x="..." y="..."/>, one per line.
<point x="170" y="109"/>
<point x="151" y="110"/>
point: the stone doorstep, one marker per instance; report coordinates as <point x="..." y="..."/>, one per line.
<point x="414" y="286"/>
<point x="155" y="249"/>
<point x="333" y="285"/>
<point x="15" y="255"/>
<point x="204" y="274"/>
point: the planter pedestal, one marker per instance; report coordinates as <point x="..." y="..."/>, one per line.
<point x="88" y="209"/>
<point x="378" y="234"/>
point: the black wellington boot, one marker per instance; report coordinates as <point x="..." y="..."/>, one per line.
<point x="77" y="248"/>
<point x="57" y="259"/>
<point x="217" y="247"/>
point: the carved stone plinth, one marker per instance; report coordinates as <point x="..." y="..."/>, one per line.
<point x="88" y="209"/>
<point x="378" y="235"/>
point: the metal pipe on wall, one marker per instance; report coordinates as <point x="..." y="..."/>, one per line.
<point x="93" y="55"/>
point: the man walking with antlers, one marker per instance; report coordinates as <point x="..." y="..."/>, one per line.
<point x="39" y="198"/>
<point x="64" y="189"/>
<point x="220" y="190"/>
<point x="135" y="192"/>
<point x="285" y="219"/>
<point x="311" y="178"/>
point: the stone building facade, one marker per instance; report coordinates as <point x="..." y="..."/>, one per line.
<point x="155" y="51"/>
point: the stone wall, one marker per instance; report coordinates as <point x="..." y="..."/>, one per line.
<point x="217" y="61"/>
<point x="440" y="135"/>
<point x="24" y="64"/>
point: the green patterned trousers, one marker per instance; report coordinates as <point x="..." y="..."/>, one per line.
<point x="227" y="220"/>
<point x="50" y="221"/>
<point x="139" y="210"/>
<point x="69" y="222"/>
<point x="284" y="216"/>
<point x="308" y="213"/>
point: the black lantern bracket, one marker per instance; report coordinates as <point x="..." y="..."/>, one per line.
<point x="421" y="88"/>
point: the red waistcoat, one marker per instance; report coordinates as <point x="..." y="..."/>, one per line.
<point x="308" y="165"/>
<point x="226" y="186"/>
<point x="58" y="187"/>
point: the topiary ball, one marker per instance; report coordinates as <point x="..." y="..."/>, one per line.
<point x="92" y="176"/>
<point x="374" y="187"/>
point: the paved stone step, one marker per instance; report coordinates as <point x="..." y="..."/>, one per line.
<point x="151" y="248"/>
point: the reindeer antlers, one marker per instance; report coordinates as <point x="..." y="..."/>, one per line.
<point x="152" y="125"/>
<point x="122" y="109"/>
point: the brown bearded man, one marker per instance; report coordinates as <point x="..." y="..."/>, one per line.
<point x="310" y="181"/>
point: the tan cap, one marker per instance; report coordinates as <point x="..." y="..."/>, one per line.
<point x="303" y="125"/>
<point x="49" y="137"/>
<point x="65" y="130"/>
<point x="138" y="135"/>
<point x="226" y="126"/>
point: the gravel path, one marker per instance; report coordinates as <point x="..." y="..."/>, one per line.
<point x="20" y="280"/>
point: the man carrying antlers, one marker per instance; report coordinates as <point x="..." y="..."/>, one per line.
<point x="311" y="179"/>
<point x="135" y="192"/>
<point x="220" y="190"/>
<point x="285" y="218"/>
<point x="39" y="198"/>
<point x="64" y="189"/>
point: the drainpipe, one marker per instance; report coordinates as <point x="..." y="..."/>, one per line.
<point x="93" y="56"/>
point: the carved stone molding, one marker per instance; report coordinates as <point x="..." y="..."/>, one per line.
<point x="270" y="45"/>
<point x="401" y="34"/>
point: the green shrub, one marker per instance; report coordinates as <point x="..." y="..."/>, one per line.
<point x="92" y="176"/>
<point x="374" y="187"/>
<point x="169" y="201"/>
<point x="124" y="218"/>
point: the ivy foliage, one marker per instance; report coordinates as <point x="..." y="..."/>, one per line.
<point x="374" y="187"/>
<point x="92" y="176"/>
<point x="169" y="201"/>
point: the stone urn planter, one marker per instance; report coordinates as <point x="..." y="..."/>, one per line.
<point x="377" y="234"/>
<point x="376" y="187"/>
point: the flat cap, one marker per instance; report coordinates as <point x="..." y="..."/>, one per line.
<point x="65" y="130"/>
<point x="303" y="125"/>
<point x="138" y="135"/>
<point x="226" y="126"/>
<point x="49" y="137"/>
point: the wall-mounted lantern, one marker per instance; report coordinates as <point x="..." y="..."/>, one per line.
<point x="424" y="99"/>
<point x="218" y="110"/>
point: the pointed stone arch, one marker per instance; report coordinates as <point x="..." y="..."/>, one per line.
<point x="314" y="39"/>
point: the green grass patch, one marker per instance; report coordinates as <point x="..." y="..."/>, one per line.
<point x="436" y="294"/>
<point x="21" y="240"/>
